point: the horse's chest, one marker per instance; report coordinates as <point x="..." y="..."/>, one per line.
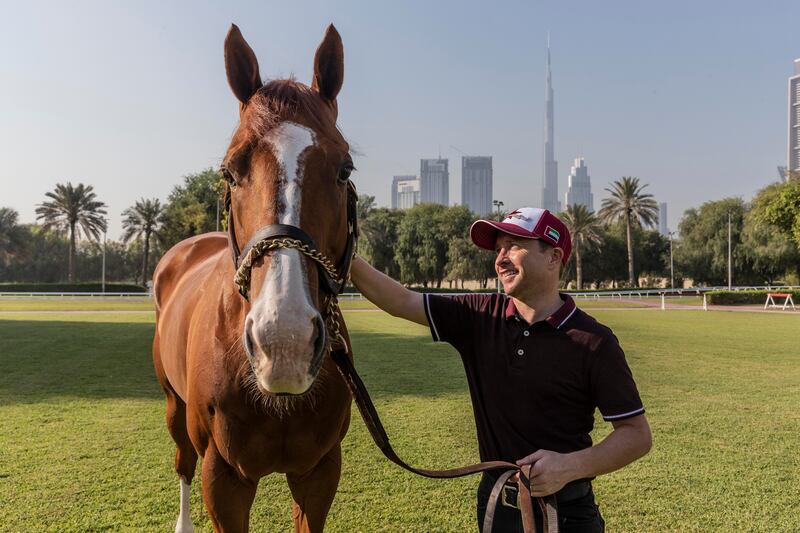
<point x="259" y="446"/>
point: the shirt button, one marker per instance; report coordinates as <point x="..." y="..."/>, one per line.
<point x="526" y="332"/>
<point x="520" y="352"/>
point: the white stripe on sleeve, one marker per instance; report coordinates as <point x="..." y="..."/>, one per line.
<point x="624" y="415"/>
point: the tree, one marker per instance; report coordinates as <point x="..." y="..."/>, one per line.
<point x="73" y="209"/>
<point x="651" y="253"/>
<point x="365" y="204"/>
<point x="191" y="208"/>
<point x="629" y="203"/>
<point x="421" y="248"/>
<point x="783" y="209"/>
<point x="378" y="240"/>
<point x="467" y="261"/>
<point x="12" y="235"/>
<point x="768" y="247"/>
<point x="702" y="253"/>
<point x="143" y="219"/>
<point x="584" y="228"/>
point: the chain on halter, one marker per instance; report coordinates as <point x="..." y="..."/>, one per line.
<point x="332" y="312"/>
<point x="243" y="274"/>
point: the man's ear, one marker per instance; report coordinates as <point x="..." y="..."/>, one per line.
<point x="558" y="256"/>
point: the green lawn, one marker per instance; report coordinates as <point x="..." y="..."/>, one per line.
<point x="75" y="304"/>
<point x="83" y="445"/>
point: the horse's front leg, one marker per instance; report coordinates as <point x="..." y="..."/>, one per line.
<point x="227" y="495"/>
<point x="313" y="492"/>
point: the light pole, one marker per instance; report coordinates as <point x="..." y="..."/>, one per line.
<point x="103" y="278"/>
<point x="671" y="269"/>
<point x="498" y="204"/>
<point x="730" y="263"/>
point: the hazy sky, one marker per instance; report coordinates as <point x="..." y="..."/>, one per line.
<point x="130" y="96"/>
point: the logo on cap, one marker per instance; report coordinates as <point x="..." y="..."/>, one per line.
<point x="552" y="233"/>
<point x="518" y="214"/>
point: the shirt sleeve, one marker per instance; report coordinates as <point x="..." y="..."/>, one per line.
<point x="451" y="317"/>
<point x="612" y="384"/>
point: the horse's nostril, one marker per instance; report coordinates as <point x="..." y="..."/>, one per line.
<point x="248" y="342"/>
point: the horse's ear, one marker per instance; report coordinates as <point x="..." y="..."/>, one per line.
<point x="241" y="66"/>
<point x="329" y="66"/>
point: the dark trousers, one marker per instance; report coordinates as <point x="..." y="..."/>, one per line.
<point x="577" y="510"/>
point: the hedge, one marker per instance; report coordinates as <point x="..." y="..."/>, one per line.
<point x="70" y="287"/>
<point x="752" y="297"/>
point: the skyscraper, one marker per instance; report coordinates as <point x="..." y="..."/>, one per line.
<point x="550" y="174"/>
<point x="476" y="184"/>
<point x="662" y="219"/>
<point x="793" y="162"/>
<point x="579" y="186"/>
<point x="434" y="181"/>
<point x="405" y="192"/>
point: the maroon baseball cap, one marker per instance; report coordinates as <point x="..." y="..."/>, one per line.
<point x="527" y="222"/>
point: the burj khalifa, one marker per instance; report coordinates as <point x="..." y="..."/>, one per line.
<point x="550" y="174"/>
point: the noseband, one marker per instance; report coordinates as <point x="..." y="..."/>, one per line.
<point x="274" y="236"/>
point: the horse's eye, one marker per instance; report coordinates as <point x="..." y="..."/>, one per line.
<point x="231" y="181"/>
<point x="345" y="171"/>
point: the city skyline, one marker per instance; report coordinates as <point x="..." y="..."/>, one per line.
<point x="133" y="98"/>
<point x="434" y="181"/>
<point x="793" y="135"/>
<point x="579" y="186"/>
<point x="477" y="184"/>
<point x="549" y="198"/>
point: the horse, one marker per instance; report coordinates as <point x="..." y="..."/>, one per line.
<point x="245" y="319"/>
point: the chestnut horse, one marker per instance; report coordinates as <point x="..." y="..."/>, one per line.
<point x="249" y="383"/>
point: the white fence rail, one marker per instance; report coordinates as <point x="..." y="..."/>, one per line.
<point x="597" y="295"/>
<point x="74" y="295"/>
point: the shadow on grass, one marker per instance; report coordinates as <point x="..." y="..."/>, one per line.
<point x="42" y="360"/>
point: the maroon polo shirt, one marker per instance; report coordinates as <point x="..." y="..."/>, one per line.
<point x="534" y="385"/>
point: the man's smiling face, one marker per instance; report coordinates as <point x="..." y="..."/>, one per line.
<point x="521" y="263"/>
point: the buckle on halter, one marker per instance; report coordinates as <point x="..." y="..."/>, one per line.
<point x="509" y="496"/>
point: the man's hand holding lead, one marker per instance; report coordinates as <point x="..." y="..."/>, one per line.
<point x="549" y="473"/>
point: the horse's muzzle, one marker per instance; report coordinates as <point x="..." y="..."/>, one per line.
<point x="286" y="362"/>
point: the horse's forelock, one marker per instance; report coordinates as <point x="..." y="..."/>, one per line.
<point x="289" y="100"/>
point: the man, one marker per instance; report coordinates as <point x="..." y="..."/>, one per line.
<point x="537" y="367"/>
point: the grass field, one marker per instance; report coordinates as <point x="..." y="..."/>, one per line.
<point x="110" y="304"/>
<point x="83" y="445"/>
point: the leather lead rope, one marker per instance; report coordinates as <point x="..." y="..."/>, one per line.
<point x="372" y="420"/>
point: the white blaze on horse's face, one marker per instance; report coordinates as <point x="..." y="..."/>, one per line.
<point x="283" y="330"/>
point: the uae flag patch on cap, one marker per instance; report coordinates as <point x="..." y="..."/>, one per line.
<point x="552" y="233"/>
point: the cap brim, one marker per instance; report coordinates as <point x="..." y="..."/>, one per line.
<point x="484" y="232"/>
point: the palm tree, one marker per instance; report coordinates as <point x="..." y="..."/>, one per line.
<point x="12" y="240"/>
<point x="630" y="204"/>
<point x="144" y="218"/>
<point x="584" y="226"/>
<point x="73" y="209"/>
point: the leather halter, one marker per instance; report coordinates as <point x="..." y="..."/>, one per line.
<point x="275" y="236"/>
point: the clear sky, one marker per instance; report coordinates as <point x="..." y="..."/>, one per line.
<point x="129" y="97"/>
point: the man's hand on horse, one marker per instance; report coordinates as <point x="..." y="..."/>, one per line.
<point x="550" y="471"/>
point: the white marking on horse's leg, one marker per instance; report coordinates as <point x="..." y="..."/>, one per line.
<point x="184" y="524"/>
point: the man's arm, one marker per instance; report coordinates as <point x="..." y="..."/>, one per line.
<point x="386" y="293"/>
<point x="630" y="440"/>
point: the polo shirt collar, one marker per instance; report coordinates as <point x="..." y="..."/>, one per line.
<point x="557" y="319"/>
